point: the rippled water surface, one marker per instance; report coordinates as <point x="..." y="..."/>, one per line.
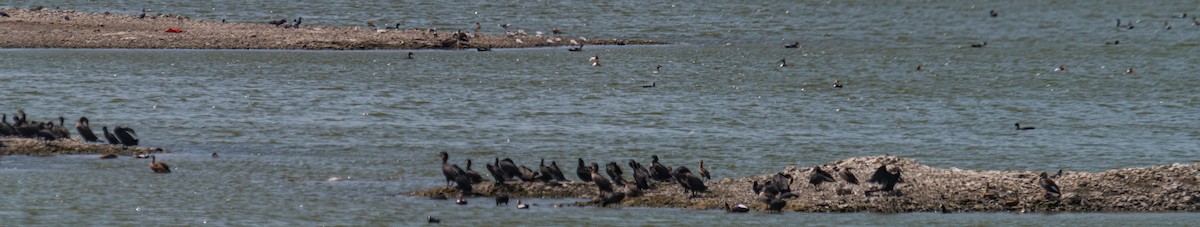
<point x="338" y="137"/>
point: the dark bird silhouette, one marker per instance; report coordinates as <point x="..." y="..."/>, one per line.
<point x="433" y="220"/>
<point x="483" y="48"/>
<point x="740" y="208"/>
<point x="885" y="178"/>
<point x="1022" y="128"/>
<point x="509" y="169"/>
<point x="652" y="85"/>
<point x="704" y="172"/>
<point x="793" y="45"/>
<point x="450" y="171"/>
<point x="615" y="173"/>
<point x="277" y="23"/>
<point x="846" y="175"/>
<point x="557" y="172"/>
<point x="410" y="54"/>
<point x="494" y="169"/>
<point x="471" y="174"/>
<point x="2" y="14"/>
<point x="582" y="172"/>
<point x="658" y="171"/>
<point x="545" y="174"/>
<point x="502" y="199"/>
<point x="601" y="183"/>
<point x="641" y="176"/>
<point x="689" y="182"/>
<point x="85" y="131"/>
<point x="580" y="48"/>
<point x="60" y="131"/>
<point x="994" y="13"/>
<point x="528" y="175"/>
<point x="1057" y="175"/>
<point x="979" y="45"/>
<point x="818" y="176"/>
<point x="1049" y="185"/>
<point x="158" y="167"/>
<point x="615" y="197"/>
<point x="143" y="14"/>
<point x="108" y="156"/>
<point x="837" y="84"/>
<point x="754" y="186"/>
<point x="556" y="31"/>
<point x="214" y="154"/>
<point x="112" y="139"/>
<point x="127" y="136"/>
<point x="5" y="128"/>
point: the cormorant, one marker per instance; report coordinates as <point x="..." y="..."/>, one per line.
<point x="502" y="199"/>
<point x="776" y="205"/>
<point x="614" y="172"/>
<point x="557" y="172"/>
<point x="819" y="176"/>
<point x="85" y="131"/>
<point x="885" y="178"/>
<point x="471" y="174"/>
<point x="793" y="45"/>
<point x="434" y="220"/>
<point x="658" y="171"/>
<point x="509" y="169"/>
<point x="127" y="136"/>
<point x="496" y="172"/>
<point x="450" y="171"/>
<point x="545" y="174"/>
<point x="979" y="45"/>
<point x="601" y="183"/>
<point x="528" y="175"/>
<point x="112" y="139"/>
<point x="158" y="167"/>
<point x="846" y="175"/>
<point x="640" y="175"/>
<point x="582" y="172"/>
<point x="615" y="197"/>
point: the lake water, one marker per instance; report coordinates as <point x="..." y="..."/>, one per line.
<point x="338" y="137"/>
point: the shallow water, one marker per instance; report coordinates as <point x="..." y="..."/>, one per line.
<point x="337" y="137"/>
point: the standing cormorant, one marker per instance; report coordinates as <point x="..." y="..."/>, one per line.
<point x="582" y="172"/>
<point x="85" y="131"/>
<point x="557" y="172"/>
<point x="819" y="176"/>
<point x="496" y="172"/>
<point x="545" y="173"/>
<point x="158" y="167"/>
<point x="658" y="171"/>
<point x="776" y="205"/>
<point x="640" y="175"/>
<point x="614" y="172"/>
<point x="846" y="175"/>
<point x="450" y="171"/>
<point x="885" y="178"/>
<point x="112" y="139"/>
<point x="509" y="169"/>
<point x="601" y="183"/>
<point x="703" y="171"/>
<point x="471" y="174"/>
<point x="127" y="136"/>
<point x="502" y="198"/>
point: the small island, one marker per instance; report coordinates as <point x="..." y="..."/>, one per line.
<point x="44" y="28"/>
<point x="923" y="188"/>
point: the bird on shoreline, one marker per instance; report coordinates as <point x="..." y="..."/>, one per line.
<point x="127" y="136"/>
<point x="1048" y="185"/>
<point x="846" y="175"/>
<point x="112" y="139"/>
<point x="740" y="208"/>
<point x="703" y="172"/>
<point x="818" y="176"/>
<point x="582" y="172"/>
<point x="658" y="171"/>
<point x="450" y="171"/>
<point x="471" y="174"/>
<point x="602" y="184"/>
<point x="85" y="131"/>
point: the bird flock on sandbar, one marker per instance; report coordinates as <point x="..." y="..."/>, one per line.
<point x="22" y="127"/>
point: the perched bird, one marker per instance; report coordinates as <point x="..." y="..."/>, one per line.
<point x="127" y="136"/>
<point x="818" y="176"/>
<point x="158" y="167"/>
<point x="658" y="171"/>
<point x="615" y="173"/>
<point x="509" y="169"/>
<point x="1057" y="175"/>
<point x="885" y="178"/>
<point x="471" y="174"/>
<point x="556" y="172"/>
<point x="2" y="14"/>
<point x="793" y="45"/>
<point x="704" y="172"/>
<point x="846" y="175"/>
<point x="641" y="176"/>
<point x="1022" y="128"/>
<point x="85" y="131"/>
<point x="601" y="183"/>
<point x="277" y="23"/>
<point x="582" y="172"/>
<point x="112" y="139"/>
<point x="689" y="182"/>
<point x="546" y="174"/>
<point x="740" y="208"/>
<point x="450" y="171"/>
<point x="494" y="169"/>
<point x="1049" y="185"/>
<point x="776" y="205"/>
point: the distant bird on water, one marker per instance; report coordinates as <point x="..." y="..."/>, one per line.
<point x="993" y="13"/>
<point x="1130" y="71"/>
<point x="656" y="68"/>
<point x="1023" y="128"/>
<point x="837" y="84"/>
<point x="430" y="219"/>
<point x="783" y="63"/>
<point x="652" y="85"/>
<point x="979" y="45"/>
<point x="409" y="56"/>
<point x="793" y="45"/>
<point x="158" y="167"/>
<point x="595" y="60"/>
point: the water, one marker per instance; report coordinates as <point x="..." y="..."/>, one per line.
<point x="287" y="122"/>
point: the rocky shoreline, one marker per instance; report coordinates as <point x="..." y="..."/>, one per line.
<point x="37" y="147"/>
<point x="1173" y="187"/>
<point x="44" y="28"/>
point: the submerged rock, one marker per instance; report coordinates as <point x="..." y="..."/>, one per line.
<point x="1173" y="187"/>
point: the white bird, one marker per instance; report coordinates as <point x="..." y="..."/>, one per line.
<point x="519" y="41"/>
<point x="595" y="60"/>
<point x="573" y="43"/>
